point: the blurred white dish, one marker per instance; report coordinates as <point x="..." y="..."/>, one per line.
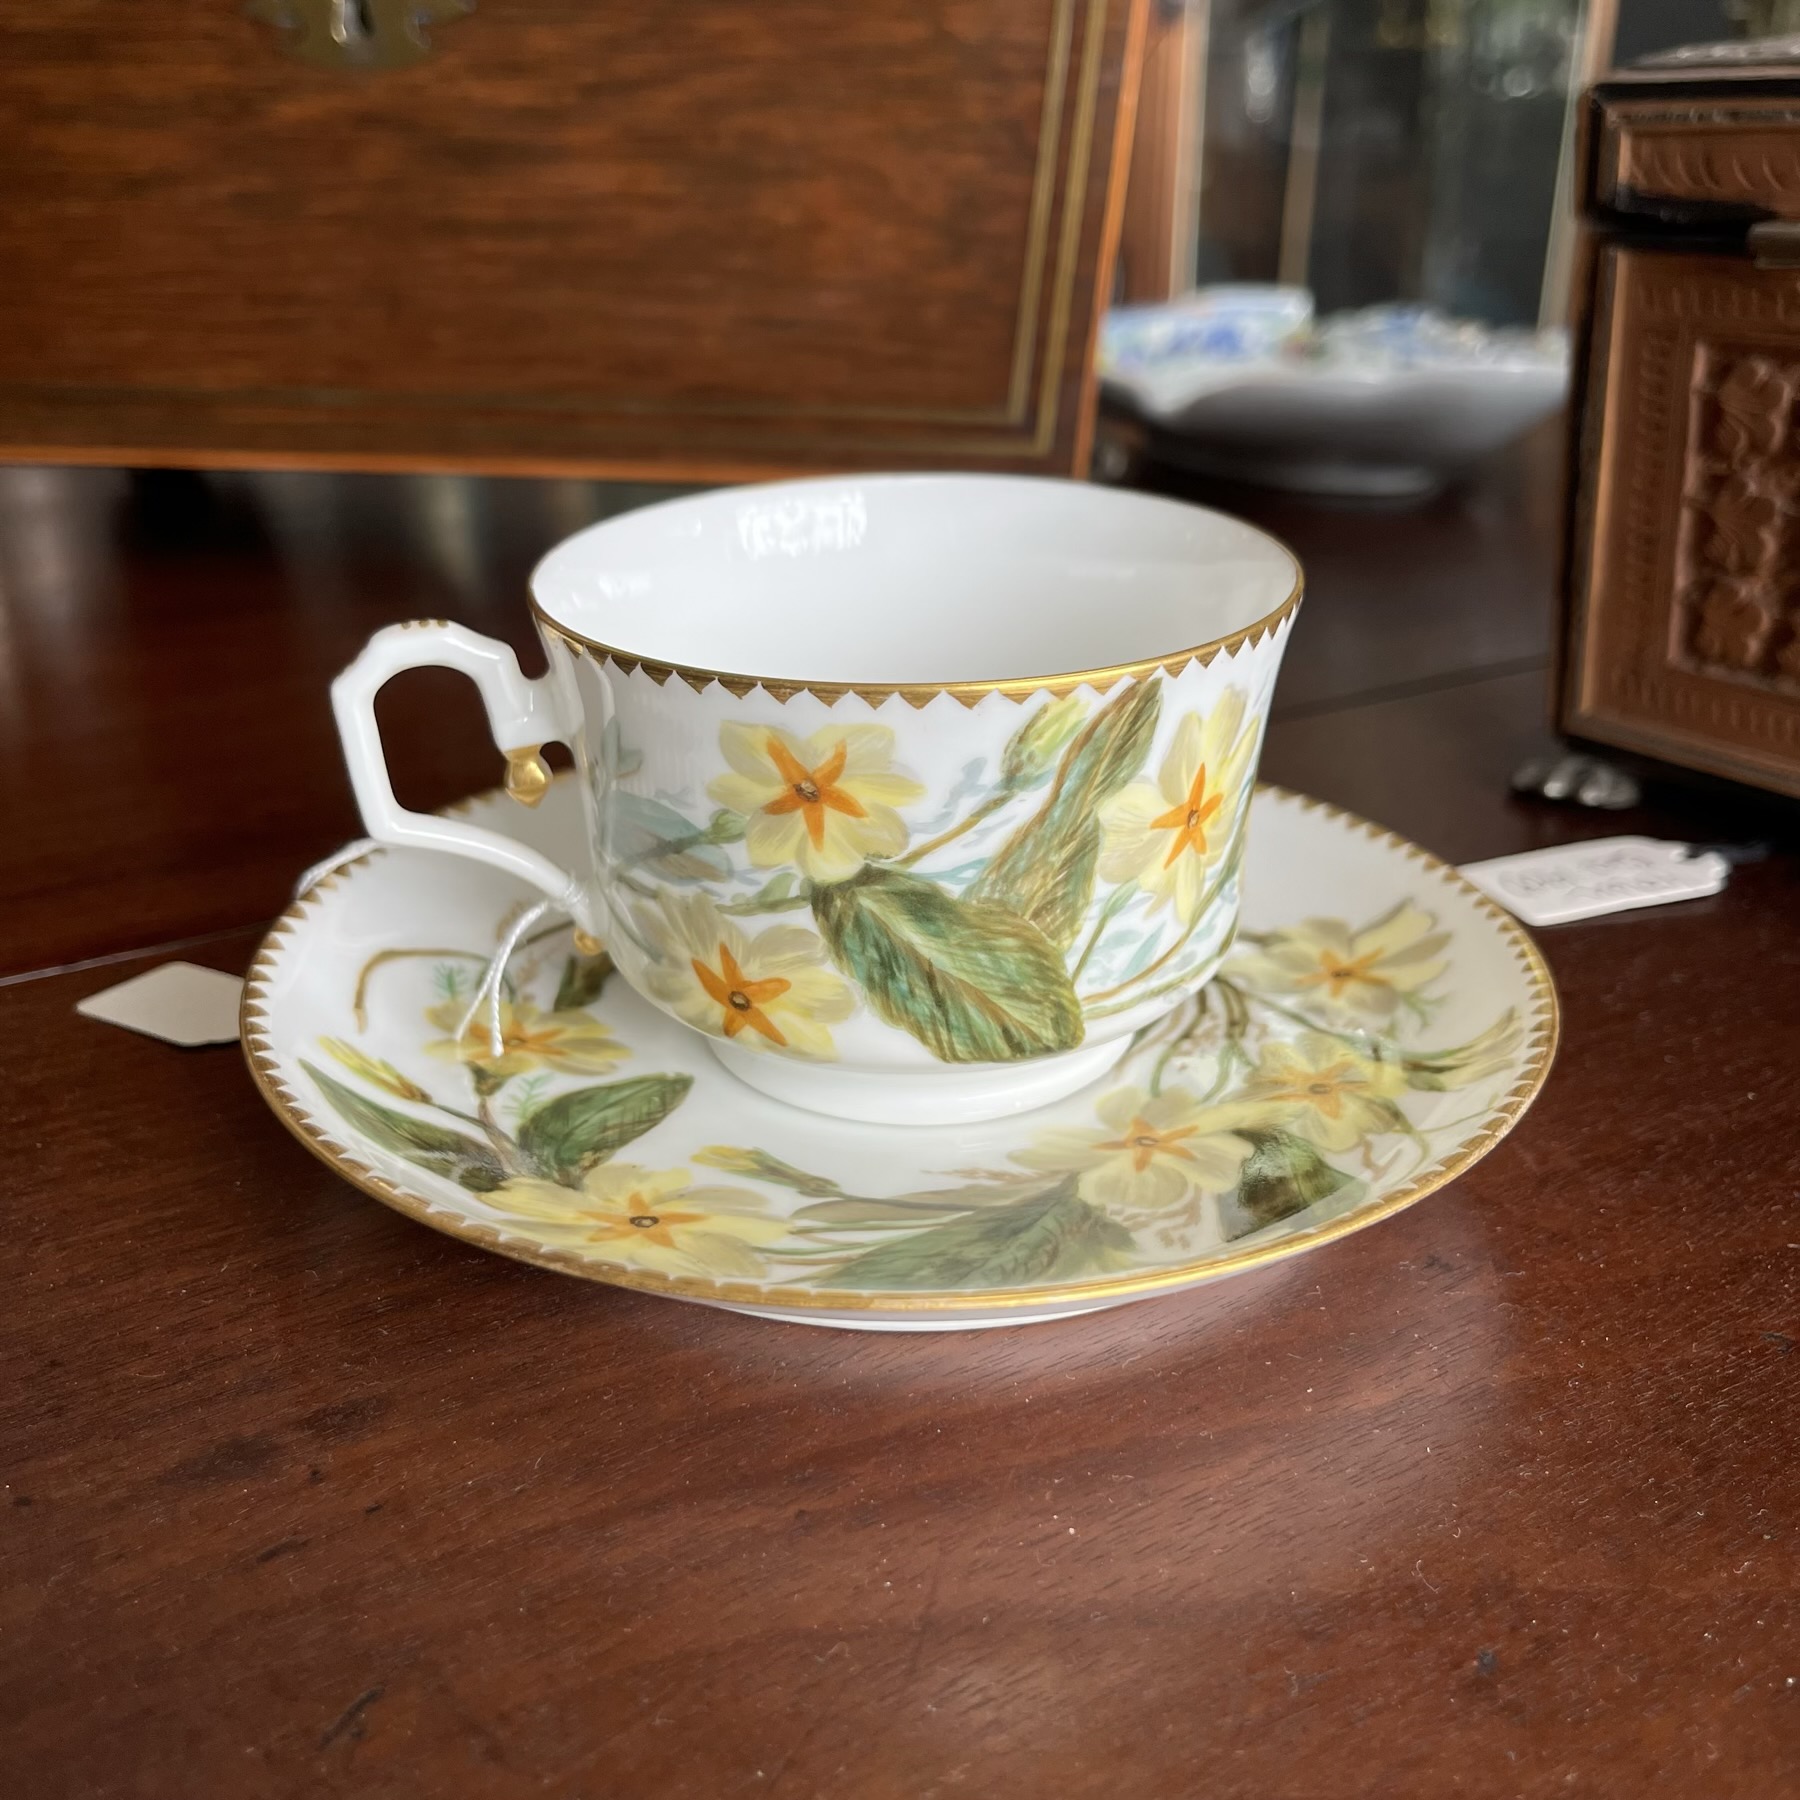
<point x="1389" y="402"/>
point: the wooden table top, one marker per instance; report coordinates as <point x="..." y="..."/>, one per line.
<point x="1497" y="1498"/>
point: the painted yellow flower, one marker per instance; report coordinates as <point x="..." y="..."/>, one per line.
<point x="1350" y="973"/>
<point x="1151" y="1152"/>
<point x="647" y="1219"/>
<point x="571" y="1043"/>
<point x="1168" y="835"/>
<point x="768" y="992"/>
<point x="823" y="803"/>
<point x="1327" y="1092"/>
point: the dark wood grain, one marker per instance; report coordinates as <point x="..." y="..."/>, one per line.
<point x="160" y="631"/>
<point x="1494" y="1500"/>
<point x="708" y="239"/>
<point x="1401" y="599"/>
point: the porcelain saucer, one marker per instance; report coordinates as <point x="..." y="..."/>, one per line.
<point x="1378" y="1027"/>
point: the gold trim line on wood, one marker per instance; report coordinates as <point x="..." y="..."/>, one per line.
<point x="1074" y="215"/>
<point x="680" y="470"/>
<point x="1112" y="227"/>
<point x="1593" y="472"/>
<point x="1043" y="196"/>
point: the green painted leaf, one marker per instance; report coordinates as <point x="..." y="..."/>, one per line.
<point x="582" y="979"/>
<point x="850" y="1212"/>
<point x="465" y="1160"/>
<point x="1282" y="1176"/>
<point x="777" y="887"/>
<point x="933" y="1203"/>
<point x="1031" y="752"/>
<point x="1045" y="870"/>
<point x="567" y="1136"/>
<point x="1052" y="1235"/>
<point x="972" y="981"/>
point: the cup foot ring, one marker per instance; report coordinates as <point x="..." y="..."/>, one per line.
<point x="951" y="1096"/>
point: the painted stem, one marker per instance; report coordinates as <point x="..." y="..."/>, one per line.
<point x="1358" y="1041"/>
<point x="1115" y="904"/>
<point x="1113" y="1008"/>
<point x="456" y="1112"/>
<point x="751" y="907"/>
<point x="504" y="1145"/>
<point x="1175" y="1044"/>
<point x="1230" y="1055"/>
<point x="1226" y="872"/>
<point x="1150" y="968"/>
<point x="986" y="810"/>
<point x="694" y="840"/>
<point x="359" y="1002"/>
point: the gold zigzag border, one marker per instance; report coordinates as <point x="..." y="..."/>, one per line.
<point x="920" y="694"/>
<point x="1539" y="1051"/>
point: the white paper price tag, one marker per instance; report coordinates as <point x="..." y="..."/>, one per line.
<point x="180" y="1002"/>
<point x="1604" y="875"/>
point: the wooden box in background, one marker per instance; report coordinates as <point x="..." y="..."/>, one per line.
<point x="1683" y="623"/>
<point x="705" y="239"/>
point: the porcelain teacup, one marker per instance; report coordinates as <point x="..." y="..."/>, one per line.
<point x="919" y="795"/>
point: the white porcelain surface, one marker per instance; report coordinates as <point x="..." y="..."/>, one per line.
<point x="929" y="579"/>
<point x="1378" y="1027"/>
<point x="924" y="1096"/>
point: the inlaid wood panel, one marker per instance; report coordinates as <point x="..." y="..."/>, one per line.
<point x="703" y="238"/>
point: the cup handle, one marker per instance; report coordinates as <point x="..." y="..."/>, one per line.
<point x="523" y="715"/>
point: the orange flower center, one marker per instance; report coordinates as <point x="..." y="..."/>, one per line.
<point x="1337" y="973"/>
<point x="1142" y="1142"/>
<point x="641" y="1222"/>
<point x="1324" y="1089"/>
<point x="516" y="1039"/>
<point x="812" y="792"/>
<point x="1188" y="820"/>
<point x="741" y="1000"/>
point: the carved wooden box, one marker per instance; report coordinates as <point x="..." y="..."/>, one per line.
<point x="713" y="238"/>
<point x="1683" y="624"/>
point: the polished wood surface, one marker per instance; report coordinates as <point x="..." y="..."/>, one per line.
<point x="628" y="239"/>
<point x="1496" y="1499"/>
